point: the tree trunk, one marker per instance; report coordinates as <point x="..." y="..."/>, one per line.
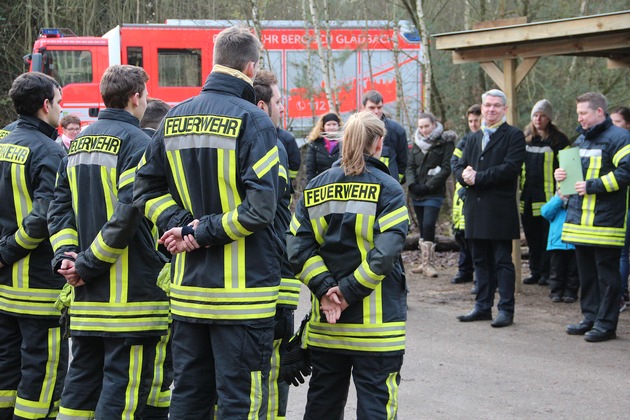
<point x="321" y="55"/>
<point x="426" y="65"/>
<point x="258" y="28"/>
<point x="332" y="74"/>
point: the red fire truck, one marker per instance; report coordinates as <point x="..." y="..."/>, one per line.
<point x="177" y="55"/>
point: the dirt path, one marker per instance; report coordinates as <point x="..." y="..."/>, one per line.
<point x="531" y="370"/>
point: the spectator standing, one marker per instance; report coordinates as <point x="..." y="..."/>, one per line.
<point x="33" y="346"/>
<point x="465" y="268"/>
<point x="324" y="145"/>
<point x="153" y="116"/>
<point x="489" y="168"/>
<point x="70" y="126"/>
<point x="544" y="140"/>
<point x="596" y="216"/>
<point x="428" y="169"/>
<point x="563" y="275"/>
<point x="395" y="147"/>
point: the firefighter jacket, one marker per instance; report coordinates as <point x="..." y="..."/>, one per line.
<point x="433" y="167"/>
<point x="541" y="160"/>
<point x="293" y="153"/>
<point x="92" y="215"/>
<point x="214" y="158"/>
<point x="395" y="149"/>
<point x="598" y="218"/>
<point x="349" y="231"/>
<point x="289" y="295"/>
<point x="29" y="158"/>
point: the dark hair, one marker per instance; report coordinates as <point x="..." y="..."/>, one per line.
<point x="373" y="96"/>
<point x="70" y="119"/>
<point x="624" y="111"/>
<point x="318" y="130"/>
<point x="154" y="114"/>
<point x="474" y="109"/>
<point x="262" y="85"/>
<point x="29" y="91"/>
<point x="428" y="116"/>
<point x="235" y="47"/>
<point x="595" y="100"/>
<point x="121" y="82"/>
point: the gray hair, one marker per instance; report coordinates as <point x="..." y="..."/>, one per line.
<point x="496" y="93"/>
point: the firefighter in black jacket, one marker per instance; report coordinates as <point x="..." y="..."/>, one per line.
<point x="345" y="241"/>
<point x="33" y="352"/>
<point x="209" y="179"/>
<point x="105" y="249"/>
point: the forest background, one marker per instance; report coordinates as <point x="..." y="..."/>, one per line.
<point x="452" y="89"/>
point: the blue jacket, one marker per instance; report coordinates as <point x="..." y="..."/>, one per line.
<point x="555" y="211"/>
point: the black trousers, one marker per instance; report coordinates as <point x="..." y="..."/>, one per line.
<point x="33" y="364"/>
<point x="427" y="218"/>
<point x="600" y="282"/>
<point x="278" y="388"/>
<point x="563" y="273"/>
<point x="465" y="262"/>
<point x="159" y="399"/>
<point x="376" y="379"/>
<point x="536" y="229"/>
<point x="226" y="364"/>
<point x="494" y="268"/>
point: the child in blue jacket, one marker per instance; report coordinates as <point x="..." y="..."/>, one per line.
<point x="563" y="275"/>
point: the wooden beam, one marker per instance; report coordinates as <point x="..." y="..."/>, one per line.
<point x="519" y="20"/>
<point x="570" y="46"/>
<point x="523" y="69"/>
<point x="494" y="72"/>
<point x="618" y="63"/>
<point x="534" y="31"/>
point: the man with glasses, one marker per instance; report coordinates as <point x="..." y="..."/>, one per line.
<point x="489" y="169"/>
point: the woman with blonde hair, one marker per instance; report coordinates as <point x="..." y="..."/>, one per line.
<point x="345" y="242"/>
<point x="323" y="145"/>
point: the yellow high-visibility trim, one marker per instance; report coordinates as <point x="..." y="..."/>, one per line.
<point x="156" y="396"/>
<point x="289" y="291"/>
<point x="400" y="177"/>
<point x="255" y="395"/>
<point x="295" y="225"/>
<point x="179" y="176"/>
<point x="293" y="174"/>
<point x="389" y="220"/>
<point x="589" y="200"/>
<point x="25" y="241"/>
<point x="313" y="267"/>
<point x="357" y="337"/>
<point x="267" y="162"/>
<point x="366" y="277"/>
<point x="548" y="180"/>
<point x="110" y="192"/>
<point x="132" y="394"/>
<point x="65" y="237"/>
<point x="282" y="173"/>
<point x="233" y="228"/>
<point x="385" y="160"/>
<point x="594" y="235"/>
<point x="392" y="391"/>
<point x="52" y="365"/>
<point x="14" y="154"/>
<point x="273" y="395"/>
<point x="154" y="208"/>
<point x="71" y="173"/>
<point x="457" y="153"/>
<point x="320" y="226"/>
<point x="610" y="182"/>
<point x="70" y="414"/>
<point x="126" y="178"/>
<point x="104" y="252"/>
<point x="622" y="153"/>
<point x="7" y="398"/>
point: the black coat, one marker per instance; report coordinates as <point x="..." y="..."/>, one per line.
<point x="490" y="208"/>
<point x="318" y="159"/>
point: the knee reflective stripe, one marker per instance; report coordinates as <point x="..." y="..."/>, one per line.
<point x="135" y="379"/>
<point x="392" y="390"/>
<point x="7" y="398"/>
<point x="273" y="401"/>
<point x="70" y="414"/>
<point x="155" y="393"/>
<point x="31" y="409"/>
<point x="255" y="395"/>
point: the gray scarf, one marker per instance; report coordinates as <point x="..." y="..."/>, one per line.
<point x="425" y="143"/>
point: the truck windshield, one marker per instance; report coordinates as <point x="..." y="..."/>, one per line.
<point x="68" y="66"/>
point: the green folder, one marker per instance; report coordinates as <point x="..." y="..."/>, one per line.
<point x="569" y="160"/>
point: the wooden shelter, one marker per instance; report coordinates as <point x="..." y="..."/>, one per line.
<point x="519" y="45"/>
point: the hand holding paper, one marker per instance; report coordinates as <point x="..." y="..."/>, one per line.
<point x="571" y="168"/>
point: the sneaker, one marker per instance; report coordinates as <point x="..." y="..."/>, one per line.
<point x="569" y="299"/>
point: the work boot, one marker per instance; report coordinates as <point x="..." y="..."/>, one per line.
<point x="428" y="254"/>
<point x="420" y="267"/>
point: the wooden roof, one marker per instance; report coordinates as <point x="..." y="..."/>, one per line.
<point x="605" y="35"/>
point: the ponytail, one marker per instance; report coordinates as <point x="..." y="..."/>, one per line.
<point x="362" y="130"/>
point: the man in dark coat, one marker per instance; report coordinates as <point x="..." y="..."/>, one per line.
<point x="489" y="169"/>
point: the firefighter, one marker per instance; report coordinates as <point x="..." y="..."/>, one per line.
<point x="106" y="251"/>
<point x="33" y="351"/>
<point x="270" y="101"/>
<point x="209" y="179"/>
<point x="345" y="241"/>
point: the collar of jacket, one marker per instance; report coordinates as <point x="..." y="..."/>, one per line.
<point x="369" y="161"/>
<point x="118" y="115"/>
<point x="226" y="83"/>
<point x="39" y="125"/>
<point x="596" y="130"/>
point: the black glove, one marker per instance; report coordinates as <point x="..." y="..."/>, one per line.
<point x="419" y="189"/>
<point x="295" y="364"/>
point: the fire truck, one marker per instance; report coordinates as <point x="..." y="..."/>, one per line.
<point x="177" y="55"/>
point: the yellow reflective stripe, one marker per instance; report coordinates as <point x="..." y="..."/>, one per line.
<point x="622" y="153"/>
<point x="392" y="391"/>
<point x="70" y="414"/>
<point x="71" y="173"/>
<point x="52" y="366"/>
<point x="7" y="398"/>
<point x="119" y="271"/>
<point x="64" y="237"/>
<point x="595" y="235"/>
<point x="457" y="153"/>
<point x="126" y="178"/>
<point x="357" y="337"/>
<point x="177" y="267"/>
<point x="143" y="161"/>
<point x="255" y="395"/>
<point x="293" y="174"/>
<point x="23" y="206"/>
<point x="282" y="173"/>
<point x="588" y="201"/>
<point x="119" y="317"/>
<point x="314" y="266"/>
<point x="610" y="182"/>
<point x="104" y="252"/>
<point x="295" y="225"/>
<point x="31" y="409"/>
<point x="273" y="400"/>
<point x="110" y="191"/>
<point x="366" y="277"/>
<point x="179" y="176"/>
<point x="27" y="301"/>
<point x="267" y="162"/>
<point x="320" y="226"/>
<point x="132" y="394"/>
<point x="399" y="215"/>
<point x="233" y="228"/>
<point x="154" y="208"/>
<point x="385" y="160"/>
<point x="400" y="177"/>
<point x="289" y="291"/>
<point x="156" y="395"/>
<point x="549" y="182"/>
<point x="132" y="309"/>
<point x="25" y="241"/>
